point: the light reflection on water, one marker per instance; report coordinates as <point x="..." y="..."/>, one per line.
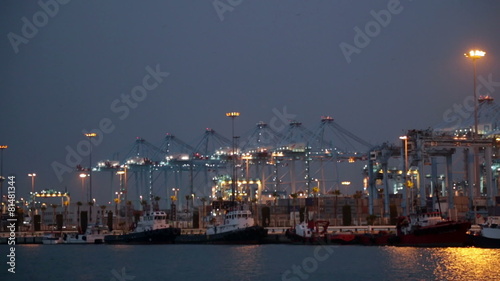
<point x="246" y="259"/>
<point x="467" y="264"/>
<point x="256" y="262"/>
<point x="446" y="263"/>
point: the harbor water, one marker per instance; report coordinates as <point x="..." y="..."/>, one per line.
<point x="248" y="262"/>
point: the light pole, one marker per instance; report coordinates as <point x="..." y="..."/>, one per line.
<point x="405" y="138"/>
<point x="316" y="191"/>
<point x="173" y="207"/>
<point x="122" y="174"/>
<point x="319" y="189"/>
<point x="123" y="188"/>
<point x="247" y="179"/>
<point x="405" y="169"/>
<point x="233" y="115"/>
<point x="90" y="136"/>
<point x="83" y="176"/>
<point x="475" y="55"/>
<point x="175" y="190"/>
<point x="32" y="175"/>
<point x="346" y="184"/>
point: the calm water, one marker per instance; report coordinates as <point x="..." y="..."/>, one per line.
<point x="261" y="262"/>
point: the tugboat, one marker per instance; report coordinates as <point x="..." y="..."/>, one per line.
<point x="302" y="232"/>
<point x="489" y="236"/>
<point x="152" y="228"/>
<point x="235" y="227"/>
<point x="308" y="232"/>
<point x="429" y="230"/>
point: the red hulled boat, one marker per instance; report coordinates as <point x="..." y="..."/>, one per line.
<point x="429" y="230"/>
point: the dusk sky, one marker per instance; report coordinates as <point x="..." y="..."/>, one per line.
<point x="378" y="68"/>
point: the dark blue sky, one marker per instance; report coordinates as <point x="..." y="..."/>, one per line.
<point x="259" y="57"/>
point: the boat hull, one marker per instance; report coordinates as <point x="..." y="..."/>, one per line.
<point x="343" y="238"/>
<point x="378" y="239"/>
<point x="484" y="242"/>
<point x="492" y="233"/>
<point x="84" y="239"/>
<point x="312" y="240"/>
<point x="248" y="235"/>
<point x="52" y="241"/>
<point x="449" y="234"/>
<point x="157" y="236"/>
<point x="336" y="239"/>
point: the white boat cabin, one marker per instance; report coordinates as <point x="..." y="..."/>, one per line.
<point x="491" y="228"/>
<point x="231" y="221"/>
<point x="415" y="221"/>
<point x="302" y="229"/>
<point x="426" y="219"/>
<point x="94" y="234"/>
<point x="152" y="221"/>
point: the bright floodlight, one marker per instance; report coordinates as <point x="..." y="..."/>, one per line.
<point x="232" y="114"/>
<point x="475" y="54"/>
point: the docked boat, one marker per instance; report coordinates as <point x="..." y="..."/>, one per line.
<point x="489" y="236"/>
<point x="152" y="228"/>
<point x="93" y="235"/>
<point x="234" y="227"/>
<point x="429" y="230"/>
<point x="52" y="238"/>
<point x="309" y="232"/>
